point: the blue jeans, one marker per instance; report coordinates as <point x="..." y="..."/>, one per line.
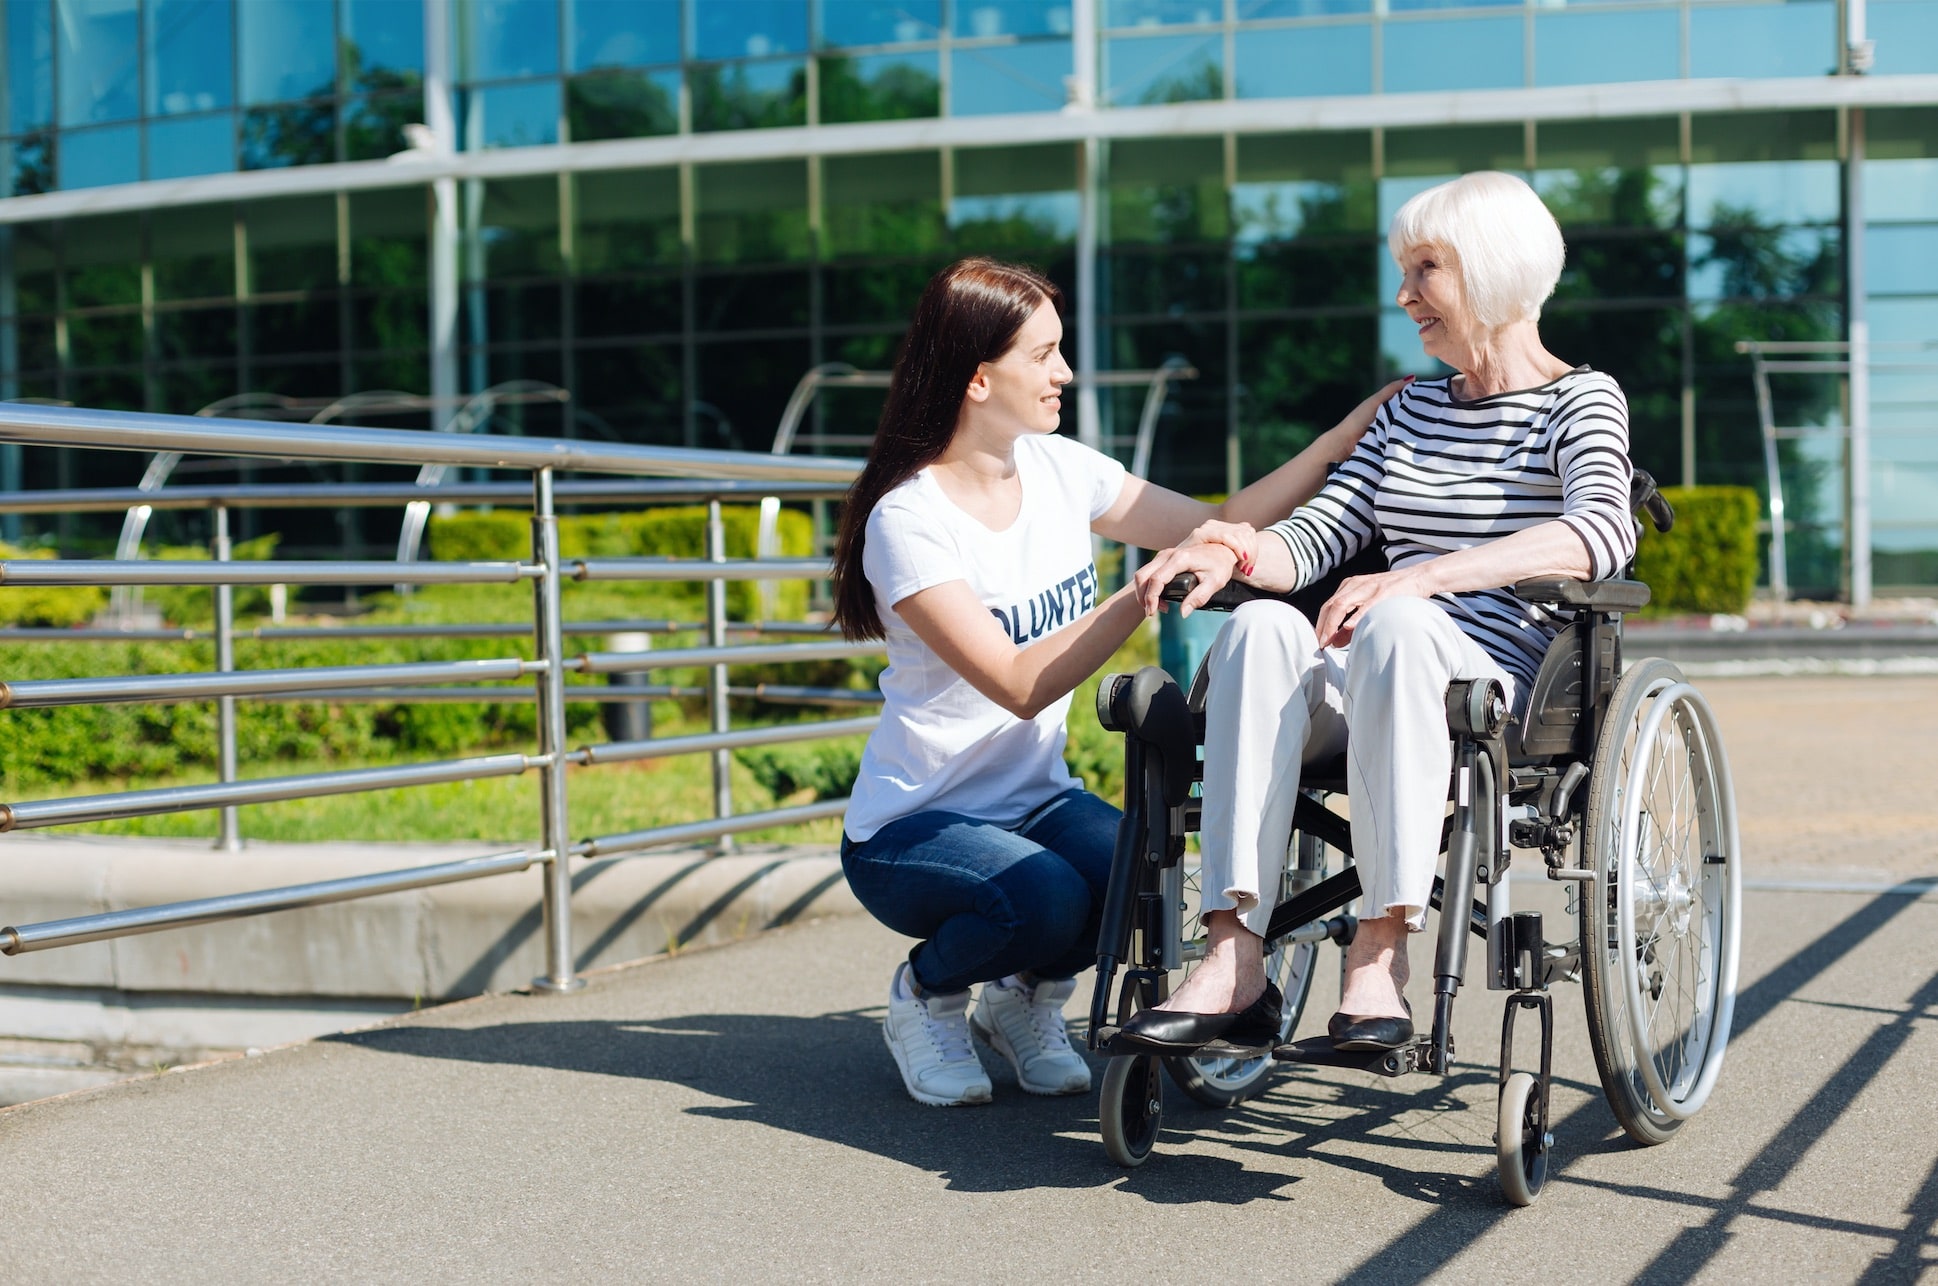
<point x="986" y="900"/>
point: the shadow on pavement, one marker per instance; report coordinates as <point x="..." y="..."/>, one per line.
<point x="828" y="1077"/>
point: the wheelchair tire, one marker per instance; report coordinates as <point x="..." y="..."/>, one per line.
<point x="1660" y="943"/>
<point x="1130" y="1108"/>
<point x="1520" y="1146"/>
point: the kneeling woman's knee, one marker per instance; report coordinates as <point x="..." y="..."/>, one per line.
<point x="1047" y="902"/>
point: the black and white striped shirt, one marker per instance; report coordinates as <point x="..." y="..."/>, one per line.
<point x="1434" y="474"/>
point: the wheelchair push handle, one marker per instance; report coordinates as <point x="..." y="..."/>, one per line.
<point x="1644" y="495"/>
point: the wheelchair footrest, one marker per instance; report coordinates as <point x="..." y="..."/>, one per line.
<point x="1318" y="1051"/>
<point x="1107" y="1046"/>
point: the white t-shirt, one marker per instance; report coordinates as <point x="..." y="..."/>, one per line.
<point x="942" y="745"/>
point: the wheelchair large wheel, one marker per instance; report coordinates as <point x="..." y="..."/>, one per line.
<point x="1659" y="946"/>
<point x="1130" y="1107"/>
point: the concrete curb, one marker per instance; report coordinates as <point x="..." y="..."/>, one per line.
<point x="76" y="1016"/>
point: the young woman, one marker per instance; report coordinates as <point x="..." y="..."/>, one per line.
<point x="966" y="545"/>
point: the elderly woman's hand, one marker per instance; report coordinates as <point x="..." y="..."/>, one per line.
<point x="1340" y="616"/>
<point x="1211" y="562"/>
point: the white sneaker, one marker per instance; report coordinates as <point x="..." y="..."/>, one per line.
<point x="929" y="1037"/>
<point x="1025" y="1025"/>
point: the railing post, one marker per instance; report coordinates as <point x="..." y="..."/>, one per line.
<point x="228" y="836"/>
<point x="548" y="641"/>
<point x="717" y="694"/>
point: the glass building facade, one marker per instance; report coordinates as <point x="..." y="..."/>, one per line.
<point x="675" y="208"/>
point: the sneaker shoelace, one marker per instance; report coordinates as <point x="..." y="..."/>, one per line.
<point x="950" y="1038"/>
<point x="1046" y="1020"/>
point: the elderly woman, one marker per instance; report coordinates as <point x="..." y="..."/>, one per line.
<point x="1514" y="467"/>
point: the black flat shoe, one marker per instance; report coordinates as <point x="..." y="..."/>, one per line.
<point x="1177" y="1031"/>
<point x="1337" y="1024"/>
<point x="1373" y="1035"/>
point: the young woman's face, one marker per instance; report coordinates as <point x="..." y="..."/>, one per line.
<point x="1431" y="293"/>
<point x="1026" y="383"/>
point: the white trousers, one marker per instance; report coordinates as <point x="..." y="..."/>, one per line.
<point x="1277" y="700"/>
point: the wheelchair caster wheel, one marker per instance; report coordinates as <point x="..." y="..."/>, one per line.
<point x="1130" y="1107"/>
<point x="1520" y="1146"/>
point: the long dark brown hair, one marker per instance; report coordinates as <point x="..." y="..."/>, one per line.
<point x="969" y="314"/>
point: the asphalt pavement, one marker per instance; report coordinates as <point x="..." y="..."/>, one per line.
<point x="730" y="1113"/>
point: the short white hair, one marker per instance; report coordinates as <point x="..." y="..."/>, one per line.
<point x="1506" y="246"/>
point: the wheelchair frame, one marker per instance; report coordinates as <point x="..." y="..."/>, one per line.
<point x="1516" y="784"/>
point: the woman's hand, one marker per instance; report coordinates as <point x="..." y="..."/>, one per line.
<point x="1239" y="537"/>
<point x="1211" y="562"/>
<point x="1340" y="616"/>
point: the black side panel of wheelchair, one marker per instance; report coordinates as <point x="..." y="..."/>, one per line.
<point x="1151" y="707"/>
<point x="1552" y="723"/>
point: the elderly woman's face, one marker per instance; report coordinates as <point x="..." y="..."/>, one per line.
<point x="1431" y="293"/>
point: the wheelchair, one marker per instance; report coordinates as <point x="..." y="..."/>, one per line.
<point x="1614" y="772"/>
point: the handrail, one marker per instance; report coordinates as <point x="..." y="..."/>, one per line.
<point x="265" y="440"/>
<point x="676" y="475"/>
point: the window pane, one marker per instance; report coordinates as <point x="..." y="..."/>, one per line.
<point x="389" y="230"/>
<point x="749" y="28"/>
<point x="27" y="61"/>
<point x="92" y="158"/>
<point x="1167" y="190"/>
<point x="751" y="213"/>
<point x="27" y="165"/>
<point x="101" y="261"/>
<point x="623" y="104"/>
<point x="288" y="50"/>
<point x="879" y="22"/>
<point x="292" y="134"/>
<point x="884" y="204"/>
<point x="509" y="115"/>
<point x="1299" y="8"/>
<point x="1164" y="69"/>
<point x="1901" y="191"/>
<point x="373" y="128"/>
<point x="98" y="65"/>
<point x="1305" y="62"/>
<point x="1153" y="13"/>
<point x="623" y="33"/>
<point x="1902" y="260"/>
<point x="1798" y="39"/>
<point x="1472" y="53"/>
<point x="1439" y="154"/>
<point x="1296" y="378"/>
<point x="200" y="145"/>
<point x="33" y="267"/>
<point x="1620" y="173"/>
<point x="188" y="55"/>
<point x="1011" y="18"/>
<point x="1015" y="200"/>
<point x="1780" y="192"/>
<point x="498" y="39"/>
<point x="383" y="43"/>
<point x="741" y="384"/>
<point x="880" y="87"/>
<point x="1302" y="212"/>
<point x="628" y="220"/>
<point x="1901" y="132"/>
<point x="635" y="389"/>
<point x="1906" y="32"/>
<point x="1764" y="136"/>
<point x="517" y="230"/>
<point x="1026" y="77"/>
<point x="193" y="252"/>
<point x="292" y="244"/>
<point x="1587" y="48"/>
<point x="750" y="95"/>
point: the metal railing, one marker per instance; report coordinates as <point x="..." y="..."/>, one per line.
<point x="708" y="476"/>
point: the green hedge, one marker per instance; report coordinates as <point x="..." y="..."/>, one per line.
<point x="1707" y="562"/>
<point x="59" y="607"/>
<point x="97" y="743"/>
<point x="485" y="536"/>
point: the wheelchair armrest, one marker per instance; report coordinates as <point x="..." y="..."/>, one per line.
<point x="1612" y="596"/>
<point x="1233" y="595"/>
